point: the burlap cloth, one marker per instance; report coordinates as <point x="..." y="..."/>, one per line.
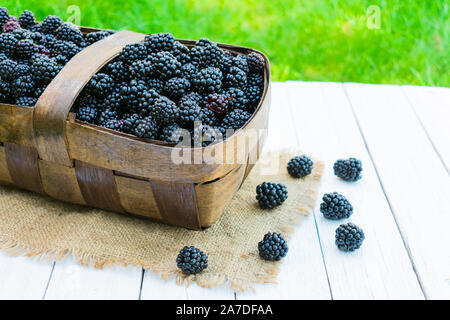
<point x="38" y="226"/>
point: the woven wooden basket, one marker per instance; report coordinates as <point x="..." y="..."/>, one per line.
<point x="45" y="150"/>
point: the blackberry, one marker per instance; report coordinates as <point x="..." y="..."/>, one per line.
<point x="256" y="79"/>
<point x="192" y="260"/>
<point x="61" y="60"/>
<point x="227" y="62"/>
<point x="5" y="91"/>
<point x="3" y="57"/>
<point x="205" y="135"/>
<point x="253" y="94"/>
<point x="7" y="44"/>
<point x="87" y="114"/>
<point x="26" y="101"/>
<point x="133" y="52"/>
<point x="218" y="103"/>
<point x="10" y="26"/>
<point x="69" y="32"/>
<point x="88" y="101"/>
<point x="132" y="94"/>
<point x="141" y="70"/>
<point x="37" y="38"/>
<point x="37" y="92"/>
<point x="349" y="237"/>
<point x="147" y="128"/>
<point x="27" y="19"/>
<point x="114" y="100"/>
<point x="180" y="52"/>
<point x="22" y="69"/>
<point x="36" y="28"/>
<point x="273" y="247"/>
<point x="93" y="37"/>
<point x="50" y="41"/>
<point x="106" y="115"/>
<point x="204" y="42"/>
<point x="24" y="49"/>
<point x="270" y="195"/>
<point x="100" y="85"/>
<point x="255" y="62"/>
<point x="156" y="84"/>
<point x="208" y="80"/>
<point x="66" y="48"/>
<point x="335" y="206"/>
<point x="240" y="61"/>
<point x="300" y="166"/>
<point x="211" y="56"/>
<point x="130" y="123"/>
<point x="172" y="133"/>
<point x="4" y="16"/>
<point x="189" y="71"/>
<point x="21" y="34"/>
<point x="209" y="117"/>
<point x="8" y="70"/>
<point x="192" y="96"/>
<point x="114" y="124"/>
<point x="190" y="111"/>
<point x="176" y="87"/>
<point x="159" y="42"/>
<point x="22" y="86"/>
<point x="51" y="23"/>
<point x="147" y="101"/>
<point x="165" y="111"/>
<point x="348" y="170"/>
<point x="44" y="69"/>
<point x="236" y="98"/>
<point x="166" y="65"/>
<point x="195" y="55"/>
<point x="236" y="78"/>
<point x="236" y="119"/>
<point x="117" y="70"/>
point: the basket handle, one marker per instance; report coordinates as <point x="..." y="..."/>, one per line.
<point x="53" y="107"/>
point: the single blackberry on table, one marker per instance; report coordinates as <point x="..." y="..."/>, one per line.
<point x="192" y="260"/>
<point x="27" y="19"/>
<point x="208" y="80"/>
<point x="270" y="195"/>
<point x="106" y="115"/>
<point x="44" y="69"/>
<point x="180" y="52"/>
<point x="147" y="101"/>
<point x="256" y="79"/>
<point x="166" y="65"/>
<point x="236" y="119"/>
<point x="7" y="44"/>
<point x="349" y="237"/>
<point x="240" y="61"/>
<point x="177" y="87"/>
<point x="211" y="56"/>
<point x="349" y="169"/>
<point x="93" y="37"/>
<point x="87" y="114"/>
<point x="147" y="128"/>
<point x="51" y="23"/>
<point x="190" y="111"/>
<point x="159" y="42"/>
<point x="8" y="70"/>
<point x="273" y="247"/>
<point x="114" y="124"/>
<point x="23" y="86"/>
<point x="189" y="71"/>
<point x="218" y="103"/>
<point x="300" y="166"/>
<point x="133" y="52"/>
<point x="335" y="206"/>
<point x="141" y="70"/>
<point x="132" y="93"/>
<point x="26" y="101"/>
<point x="100" y="85"/>
<point x="156" y="84"/>
<point x="130" y="123"/>
<point x="236" y="78"/>
<point x="253" y="94"/>
<point x="10" y="26"/>
<point x="255" y="62"/>
<point x="70" y="32"/>
<point x="165" y="111"/>
<point x="172" y="133"/>
<point x="24" y="49"/>
<point x="236" y="98"/>
<point x="66" y="48"/>
<point x="117" y="70"/>
<point x="4" y="16"/>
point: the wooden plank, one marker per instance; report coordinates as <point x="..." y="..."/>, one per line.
<point x="23" y="278"/>
<point x="326" y="129"/>
<point x="414" y="179"/>
<point x="71" y="280"/>
<point x="302" y="273"/>
<point x="432" y="107"/>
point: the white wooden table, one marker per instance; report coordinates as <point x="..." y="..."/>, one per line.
<point x="402" y="136"/>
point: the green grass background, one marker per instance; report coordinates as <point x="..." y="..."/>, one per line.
<point x="305" y="40"/>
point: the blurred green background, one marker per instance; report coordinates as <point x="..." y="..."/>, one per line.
<point x="305" y="40"/>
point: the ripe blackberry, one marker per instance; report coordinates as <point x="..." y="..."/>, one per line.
<point x="51" y="23"/>
<point x="93" y="37"/>
<point x="156" y="84"/>
<point x="240" y="61"/>
<point x="300" y="166"/>
<point x="218" y="103"/>
<point x="26" y="101"/>
<point x="191" y="260"/>
<point x="256" y="79"/>
<point x="61" y="60"/>
<point x="44" y="69"/>
<point x="36" y="28"/>
<point x="114" y="124"/>
<point x="106" y="115"/>
<point x="159" y="42"/>
<point x="204" y="42"/>
<point x="147" y="101"/>
<point x="130" y="123"/>
<point x="273" y="247"/>
<point x="236" y="119"/>
<point x="165" y="111"/>
<point x="189" y="71"/>
<point x="166" y="65"/>
<point x="209" y="117"/>
<point x="22" y="69"/>
<point x="227" y="61"/>
<point x="236" y="98"/>
<point x="195" y="55"/>
<point x="66" y="48"/>
<point x="236" y="78"/>
<point x="117" y="70"/>
<point x="141" y="70"/>
<point x="22" y="86"/>
<point x="180" y="52"/>
<point x="37" y="38"/>
<point x="253" y="94"/>
<point x="132" y="93"/>
<point x="87" y="114"/>
<point x="192" y="96"/>
<point x="133" y="52"/>
<point x="270" y="195"/>
<point x="24" y="49"/>
<point x="348" y="170"/>
<point x="5" y="91"/>
<point x="50" y="41"/>
<point x="38" y="90"/>
<point x="10" y="26"/>
<point x="7" y="44"/>
<point x="100" y="85"/>
<point x="70" y="32"/>
<point x="147" y="128"/>
<point x="211" y="56"/>
<point x="177" y="87"/>
<point x="255" y="62"/>
<point x="335" y="206"/>
<point x="349" y="237"/>
<point x="172" y="133"/>
<point x="8" y="69"/>
<point x="27" y="19"/>
<point x="114" y="100"/>
<point x="208" y="80"/>
<point x="4" y="16"/>
<point x="190" y="111"/>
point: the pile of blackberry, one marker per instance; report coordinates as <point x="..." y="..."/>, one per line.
<point x="32" y="54"/>
<point x="159" y="89"/>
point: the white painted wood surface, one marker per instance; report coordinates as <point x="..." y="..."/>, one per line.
<point x="401" y="134"/>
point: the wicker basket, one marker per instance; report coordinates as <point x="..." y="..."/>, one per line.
<point x="45" y="150"/>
